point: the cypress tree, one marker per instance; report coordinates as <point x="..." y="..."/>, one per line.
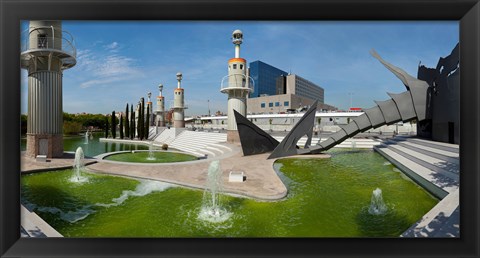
<point x="106" y="126"/>
<point x="147" y="122"/>
<point x="127" y="127"/>
<point x="139" y="122"/>
<point x="121" y="127"/>
<point x="114" y="126"/>
<point x="142" y="111"/>
<point x="132" y="123"/>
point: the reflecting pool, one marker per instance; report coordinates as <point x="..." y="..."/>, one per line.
<point x="94" y="146"/>
<point x="326" y="198"/>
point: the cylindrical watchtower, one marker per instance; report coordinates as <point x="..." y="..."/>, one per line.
<point x="237" y="84"/>
<point x="46" y="52"/>
<point x="150" y="109"/>
<point x="160" y="107"/>
<point x="138" y="108"/>
<point x="178" y="104"/>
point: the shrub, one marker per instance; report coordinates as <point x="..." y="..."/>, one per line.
<point x="70" y="127"/>
<point x="165" y="146"/>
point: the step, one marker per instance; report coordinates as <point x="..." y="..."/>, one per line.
<point x="221" y="146"/>
<point x="448" y="156"/>
<point x="188" y="146"/>
<point x="189" y="150"/>
<point x="217" y="150"/>
<point x="450" y="170"/>
<point x="434" y="183"/>
<point x="201" y="137"/>
<point x="192" y="142"/>
<point x="197" y="154"/>
<point x="451" y="227"/>
<point x="204" y="151"/>
<point x="441" y="221"/>
<point x="438" y="145"/>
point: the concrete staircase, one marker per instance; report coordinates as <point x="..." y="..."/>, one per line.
<point x="360" y="143"/>
<point x="153" y="133"/>
<point x="435" y="166"/>
<point x="166" y="136"/>
<point x="194" y="142"/>
<point x="202" y="143"/>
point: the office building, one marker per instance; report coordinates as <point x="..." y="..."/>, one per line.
<point x="264" y="77"/>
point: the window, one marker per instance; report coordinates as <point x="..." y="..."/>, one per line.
<point x="270" y="104"/>
<point x="42" y="41"/>
<point x="241" y="66"/>
<point x="277" y="104"/>
<point x="234" y="66"/>
<point x="262" y="105"/>
<point x="286" y="103"/>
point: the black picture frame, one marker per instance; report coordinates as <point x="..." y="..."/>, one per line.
<point x="467" y="12"/>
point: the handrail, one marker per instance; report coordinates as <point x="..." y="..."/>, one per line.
<point x="243" y="85"/>
<point x="67" y="46"/>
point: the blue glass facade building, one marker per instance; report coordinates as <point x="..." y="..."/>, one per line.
<point x="264" y="77"/>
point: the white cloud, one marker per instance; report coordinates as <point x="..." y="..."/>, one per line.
<point x="103" y="69"/>
<point x="112" y="47"/>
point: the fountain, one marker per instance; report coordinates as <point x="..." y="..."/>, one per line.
<point x="212" y="209"/>
<point x="151" y="155"/>
<point x="86" y="137"/>
<point x="179" y="211"/>
<point x="78" y="165"/>
<point x="377" y="205"/>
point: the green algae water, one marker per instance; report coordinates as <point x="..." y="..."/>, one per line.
<point x="158" y="157"/>
<point x="327" y="198"/>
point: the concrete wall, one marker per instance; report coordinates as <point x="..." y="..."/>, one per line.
<point x="294" y="102"/>
<point x="304" y="88"/>
<point x="325" y="125"/>
<point x="443" y="115"/>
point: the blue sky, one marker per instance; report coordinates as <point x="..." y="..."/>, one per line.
<point x="119" y="62"/>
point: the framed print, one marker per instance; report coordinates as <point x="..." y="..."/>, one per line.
<point x="242" y="129"/>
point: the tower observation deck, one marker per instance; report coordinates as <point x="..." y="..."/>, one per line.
<point x="47" y="51"/>
<point x="160" y="107"/>
<point x="237" y="84"/>
<point x="179" y="104"/>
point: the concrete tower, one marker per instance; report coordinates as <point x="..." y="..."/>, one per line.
<point x="160" y="107"/>
<point x="150" y="109"/>
<point x="178" y="104"/>
<point x="137" y="114"/>
<point x="237" y="84"/>
<point x="46" y="53"/>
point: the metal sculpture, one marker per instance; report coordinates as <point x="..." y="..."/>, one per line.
<point x="253" y="139"/>
<point x="288" y="146"/>
<point x="404" y="106"/>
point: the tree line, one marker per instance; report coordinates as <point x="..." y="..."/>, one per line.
<point x="74" y="123"/>
<point x="126" y="124"/>
<point x="130" y="126"/>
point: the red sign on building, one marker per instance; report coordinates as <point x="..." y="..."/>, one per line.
<point x="355" y="109"/>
